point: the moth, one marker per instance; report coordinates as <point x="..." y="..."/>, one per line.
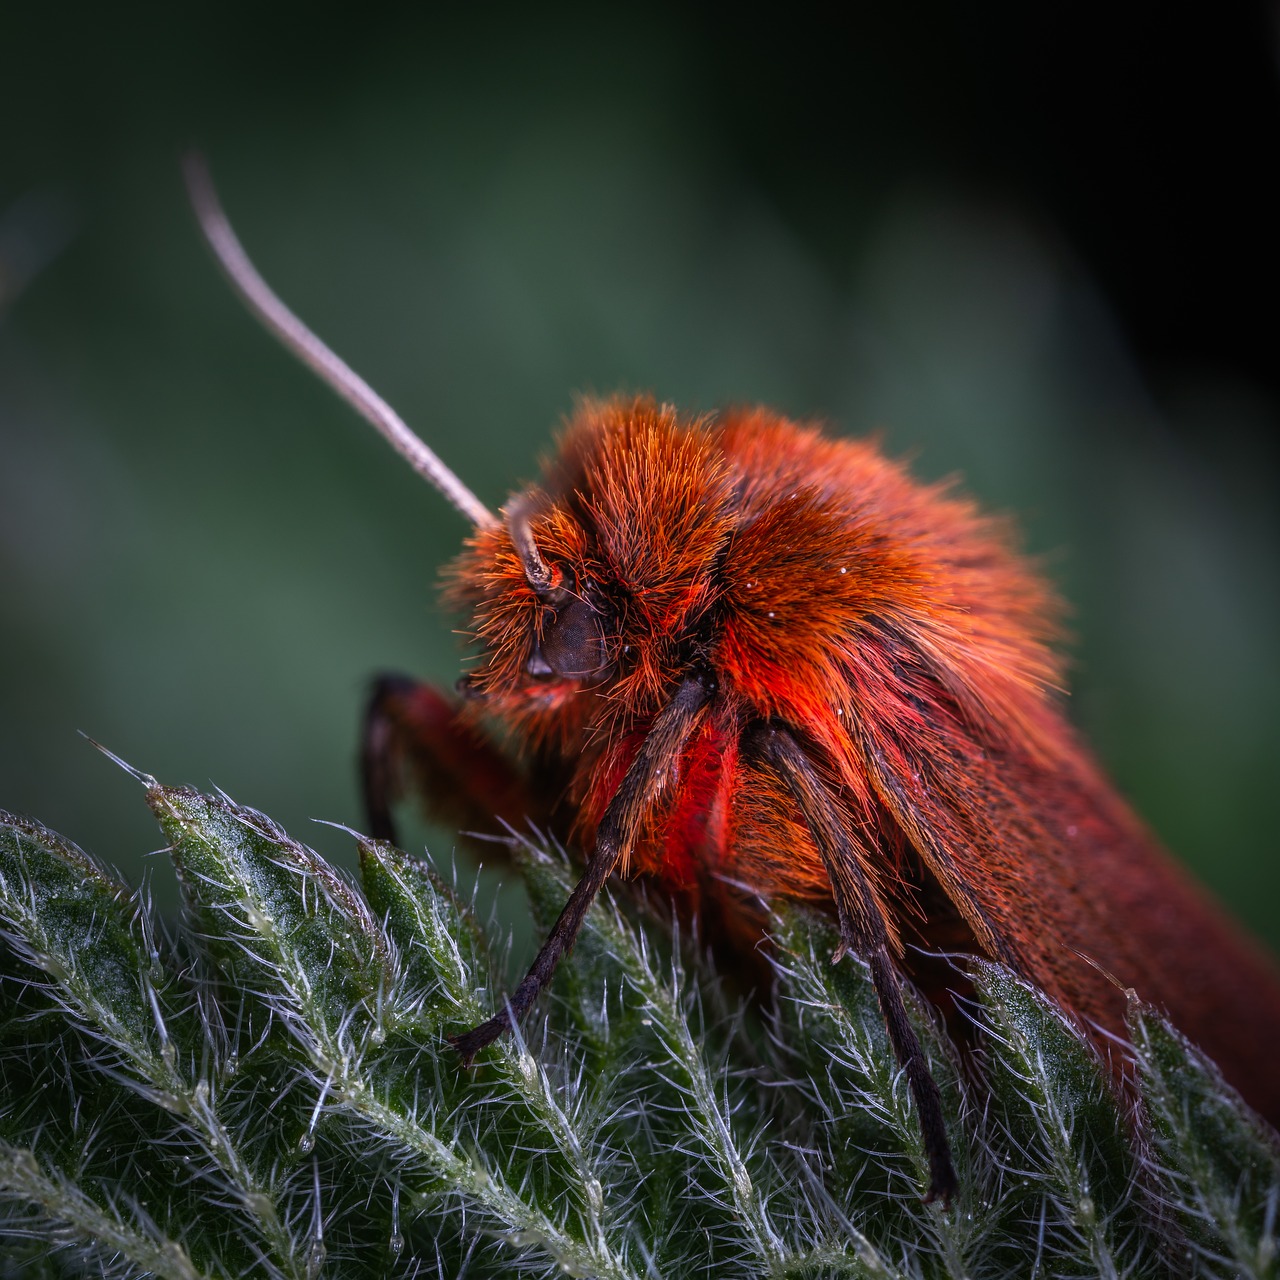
<point x="735" y="653"/>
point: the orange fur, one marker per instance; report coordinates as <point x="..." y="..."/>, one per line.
<point x="898" y="633"/>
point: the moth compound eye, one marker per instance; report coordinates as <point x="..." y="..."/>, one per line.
<point x="572" y="643"/>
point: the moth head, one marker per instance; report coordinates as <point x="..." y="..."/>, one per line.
<point x="568" y="640"/>
<point x="543" y="614"/>
<point x="599" y="586"/>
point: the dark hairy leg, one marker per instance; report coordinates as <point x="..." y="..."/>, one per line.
<point x="863" y="930"/>
<point x="614" y="837"/>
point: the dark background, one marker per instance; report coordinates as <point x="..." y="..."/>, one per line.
<point x="1035" y="245"/>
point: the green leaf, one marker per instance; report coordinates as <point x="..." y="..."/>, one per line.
<point x="1219" y="1164"/>
<point x="66" y="917"/>
<point x="1068" y="1166"/>
<point x="272" y="1092"/>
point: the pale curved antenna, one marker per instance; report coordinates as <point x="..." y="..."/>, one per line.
<point x="312" y="352"/>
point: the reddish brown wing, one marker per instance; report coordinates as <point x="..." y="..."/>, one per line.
<point x="1050" y="868"/>
<point x="933" y="655"/>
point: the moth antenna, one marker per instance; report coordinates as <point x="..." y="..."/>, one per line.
<point x="304" y="344"/>
<point x="520" y="528"/>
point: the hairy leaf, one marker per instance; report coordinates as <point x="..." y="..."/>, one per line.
<point x="266" y="1088"/>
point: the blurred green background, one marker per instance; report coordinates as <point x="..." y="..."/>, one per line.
<point x="1023" y="247"/>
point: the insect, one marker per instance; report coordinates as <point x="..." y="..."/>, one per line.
<point x="738" y="652"/>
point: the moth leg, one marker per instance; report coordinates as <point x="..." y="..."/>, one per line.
<point x="863" y="929"/>
<point x="412" y="734"/>
<point x="616" y="833"/>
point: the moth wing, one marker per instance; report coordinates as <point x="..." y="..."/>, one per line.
<point x="1056" y="876"/>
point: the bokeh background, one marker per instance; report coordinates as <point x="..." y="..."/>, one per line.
<point x="1034" y="245"/>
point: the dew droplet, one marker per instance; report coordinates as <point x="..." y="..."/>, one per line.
<point x="378" y="1034"/>
<point x="396" y="1243"/>
<point x="307" y="1142"/>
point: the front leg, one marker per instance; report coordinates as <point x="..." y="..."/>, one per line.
<point x="414" y="738"/>
<point x="616" y="834"/>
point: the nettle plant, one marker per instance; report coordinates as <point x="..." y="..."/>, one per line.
<point x="264" y="1087"/>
